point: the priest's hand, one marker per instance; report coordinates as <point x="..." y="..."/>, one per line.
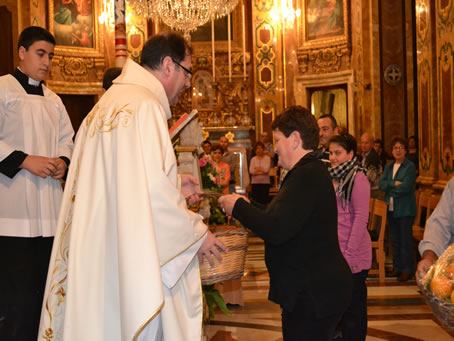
<point x="227" y="202"/>
<point x="39" y="165"/>
<point x="210" y="248"/>
<point x="190" y="189"/>
<point x="60" y="168"/>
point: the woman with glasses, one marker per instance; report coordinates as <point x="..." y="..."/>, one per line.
<point x="398" y="183"/>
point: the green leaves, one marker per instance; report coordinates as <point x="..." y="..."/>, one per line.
<point x="214" y="298"/>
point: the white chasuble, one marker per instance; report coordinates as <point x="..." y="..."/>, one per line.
<point x="35" y="125"/>
<point x="124" y="264"/>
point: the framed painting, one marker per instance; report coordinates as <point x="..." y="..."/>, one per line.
<point x="78" y="64"/>
<point x="323" y="23"/>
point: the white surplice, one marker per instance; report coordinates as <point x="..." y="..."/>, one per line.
<point x="35" y="125"/>
<point x="124" y="264"/>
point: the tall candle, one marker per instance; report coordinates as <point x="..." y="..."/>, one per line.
<point x="212" y="49"/>
<point x="229" y="47"/>
<point x="244" y="40"/>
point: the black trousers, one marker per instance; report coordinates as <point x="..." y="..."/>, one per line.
<point x="354" y="321"/>
<point x="302" y="323"/>
<point x="23" y="264"/>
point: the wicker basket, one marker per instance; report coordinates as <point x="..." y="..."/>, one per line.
<point x="443" y="311"/>
<point x="232" y="266"/>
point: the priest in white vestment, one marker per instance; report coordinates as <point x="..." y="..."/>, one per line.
<point x="124" y="264"/>
<point x="35" y="149"/>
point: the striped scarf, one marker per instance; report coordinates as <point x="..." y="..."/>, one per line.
<point x="345" y="174"/>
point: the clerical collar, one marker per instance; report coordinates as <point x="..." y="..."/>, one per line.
<point x="31" y="86"/>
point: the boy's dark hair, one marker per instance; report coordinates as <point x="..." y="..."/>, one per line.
<point x="300" y="119"/>
<point x="109" y="76"/>
<point x="205" y="142"/>
<point x="32" y="34"/>
<point x="162" y="45"/>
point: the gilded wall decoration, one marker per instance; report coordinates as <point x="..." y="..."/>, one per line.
<point x="268" y="61"/>
<point x="446" y="107"/>
<point x="324" y="60"/>
<point x="38" y="15"/>
<point x="266" y="57"/>
<point x="422" y="26"/>
<point x="445" y="16"/>
<point x="136" y="32"/>
<point x="425" y="115"/>
<point x="78" y="64"/>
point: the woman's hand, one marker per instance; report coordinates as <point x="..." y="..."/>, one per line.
<point x="397" y="183"/>
<point x="227" y="202"/>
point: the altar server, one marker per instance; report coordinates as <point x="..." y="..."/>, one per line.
<point x="35" y="149"/>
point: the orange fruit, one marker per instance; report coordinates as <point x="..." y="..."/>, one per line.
<point x="452" y="296"/>
<point x="441" y="287"/>
<point x="450" y="271"/>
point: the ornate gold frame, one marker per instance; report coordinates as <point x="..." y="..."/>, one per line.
<point x="78" y="70"/>
<point x="305" y="44"/>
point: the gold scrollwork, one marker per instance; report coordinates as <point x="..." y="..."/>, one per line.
<point x="75" y="69"/>
<point x="324" y="60"/>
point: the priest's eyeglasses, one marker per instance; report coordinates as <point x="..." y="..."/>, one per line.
<point x="187" y="71"/>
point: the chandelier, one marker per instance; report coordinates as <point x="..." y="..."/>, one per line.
<point x="224" y="7"/>
<point x="183" y="15"/>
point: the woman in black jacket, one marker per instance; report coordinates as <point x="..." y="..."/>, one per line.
<point x="309" y="277"/>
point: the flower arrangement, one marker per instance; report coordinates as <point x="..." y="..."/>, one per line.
<point x="210" y="181"/>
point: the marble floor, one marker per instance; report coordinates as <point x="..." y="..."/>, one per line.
<point x="396" y="311"/>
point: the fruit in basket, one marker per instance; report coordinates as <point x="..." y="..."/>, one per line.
<point x="441" y="287"/>
<point x="450" y="271"/>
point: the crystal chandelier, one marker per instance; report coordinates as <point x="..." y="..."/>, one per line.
<point x="224" y="7"/>
<point x="183" y="15"/>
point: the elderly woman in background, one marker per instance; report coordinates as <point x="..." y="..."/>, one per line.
<point x="352" y="194"/>
<point x="398" y="183"/>
<point x="309" y="277"/>
<point x="260" y="178"/>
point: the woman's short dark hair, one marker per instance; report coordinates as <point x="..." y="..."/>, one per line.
<point x="300" y="119"/>
<point x="162" y="45"/>
<point x="32" y="34"/>
<point x="259" y="144"/>
<point x="346" y="141"/>
<point x="401" y="140"/>
<point x="215" y="147"/>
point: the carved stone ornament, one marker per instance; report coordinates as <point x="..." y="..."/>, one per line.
<point x="325" y="60"/>
<point x="393" y="75"/>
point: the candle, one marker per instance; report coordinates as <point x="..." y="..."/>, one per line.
<point x="229" y="47"/>
<point x="212" y="48"/>
<point x="244" y="40"/>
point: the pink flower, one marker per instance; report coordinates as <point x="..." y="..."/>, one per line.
<point x="202" y="162"/>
